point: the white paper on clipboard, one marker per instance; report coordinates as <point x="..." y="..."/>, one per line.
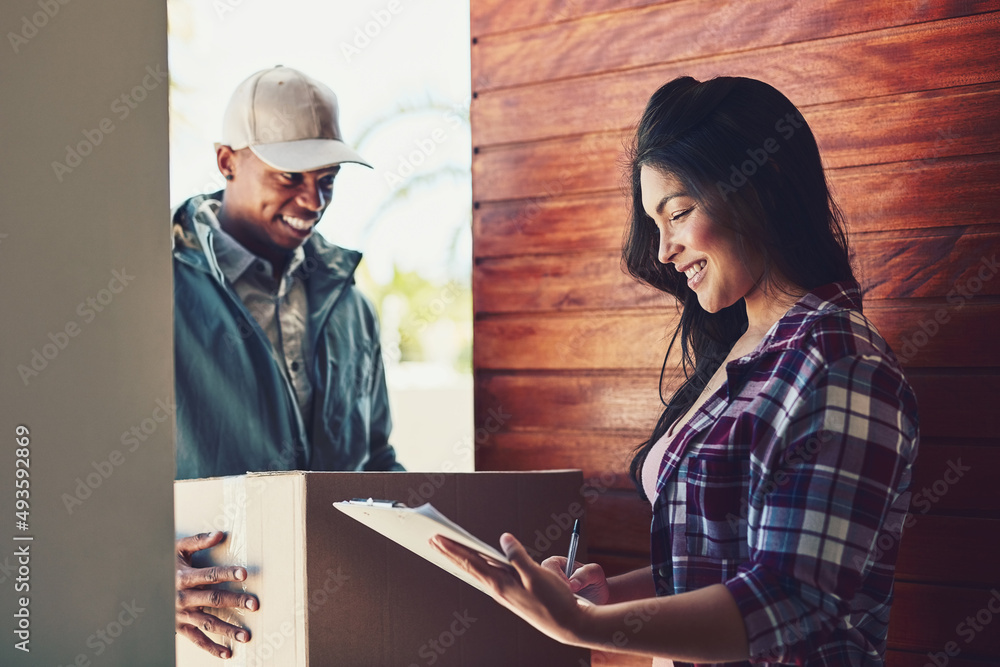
<point x="413" y="527"/>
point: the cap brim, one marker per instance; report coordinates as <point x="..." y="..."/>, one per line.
<point x="306" y="154"/>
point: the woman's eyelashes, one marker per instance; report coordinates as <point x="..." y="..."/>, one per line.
<point x="680" y="214"/>
<point x="671" y="220"/>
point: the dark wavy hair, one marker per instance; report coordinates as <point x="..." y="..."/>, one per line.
<point x="747" y="157"/>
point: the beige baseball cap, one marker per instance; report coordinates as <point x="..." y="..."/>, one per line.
<point x="289" y="120"/>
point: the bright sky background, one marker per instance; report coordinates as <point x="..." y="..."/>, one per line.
<point x="418" y="54"/>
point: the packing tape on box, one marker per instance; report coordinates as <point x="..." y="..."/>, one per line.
<point x="234" y="499"/>
<point x="234" y="504"/>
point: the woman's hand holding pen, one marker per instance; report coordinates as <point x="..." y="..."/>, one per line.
<point x="588" y="581"/>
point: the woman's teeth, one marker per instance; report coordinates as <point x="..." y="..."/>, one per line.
<point x="297" y="223"/>
<point x="695" y="270"/>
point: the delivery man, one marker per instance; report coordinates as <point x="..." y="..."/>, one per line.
<point x="277" y="354"/>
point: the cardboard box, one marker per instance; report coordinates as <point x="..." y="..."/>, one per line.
<point x="334" y="592"/>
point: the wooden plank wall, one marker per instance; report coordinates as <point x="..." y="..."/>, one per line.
<point x="903" y="98"/>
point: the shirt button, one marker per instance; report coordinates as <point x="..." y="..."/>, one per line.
<point x="665" y="572"/>
<point x="260" y="266"/>
<point x="295" y="365"/>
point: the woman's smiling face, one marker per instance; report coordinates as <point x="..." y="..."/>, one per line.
<point x="697" y="246"/>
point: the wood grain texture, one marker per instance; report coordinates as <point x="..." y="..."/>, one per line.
<point x="925" y="126"/>
<point x="954" y="195"/>
<point x="926" y="617"/>
<point x="568" y="282"/>
<point x="494" y="16"/>
<point x="925" y="57"/>
<point x="963" y="339"/>
<point x="949" y="263"/>
<point x="960" y="405"/>
<point x="954" y="264"/>
<point x="573" y="342"/>
<point x="618" y="402"/>
<point x="974" y="491"/>
<point x="603" y="457"/>
<point x="934" y="333"/>
<point x="949" y="550"/>
<point x="551" y="168"/>
<point x="619" y="521"/>
<point x="919" y="194"/>
<point x="686" y="30"/>
<point x="919" y="127"/>
<point x="955" y="405"/>
<point x="549" y="225"/>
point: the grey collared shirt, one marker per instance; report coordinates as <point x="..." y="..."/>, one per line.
<point x="280" y="308"/>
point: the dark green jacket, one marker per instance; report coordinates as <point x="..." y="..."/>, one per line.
<point x="236" y="411"/>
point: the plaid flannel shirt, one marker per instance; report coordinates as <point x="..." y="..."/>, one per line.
<point x="783" y="482"/>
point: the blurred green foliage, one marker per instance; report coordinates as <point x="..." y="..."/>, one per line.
<point x="428" y="311"/>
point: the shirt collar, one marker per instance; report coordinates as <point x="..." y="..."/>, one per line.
<point x="787" y="332"/>
<point x="845" y="295"/>
<point x="232" y="257"/>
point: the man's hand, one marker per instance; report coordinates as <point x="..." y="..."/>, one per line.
<point x="193" y="596"/>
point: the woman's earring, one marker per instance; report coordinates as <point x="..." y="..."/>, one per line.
<point x="229" y="177"/>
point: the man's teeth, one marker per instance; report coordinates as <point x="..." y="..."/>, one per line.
<point x="694" y="270"/>
<point x="297" y="223"/>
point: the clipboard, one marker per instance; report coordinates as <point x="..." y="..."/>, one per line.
<point x="413" y="527"/>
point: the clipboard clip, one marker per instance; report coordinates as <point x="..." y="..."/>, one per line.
<point x="375" y="502"/>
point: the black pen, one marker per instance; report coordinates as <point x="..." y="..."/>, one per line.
<point x="574" y="542"/>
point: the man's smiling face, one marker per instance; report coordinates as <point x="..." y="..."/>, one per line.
<point x="271" y="212"/>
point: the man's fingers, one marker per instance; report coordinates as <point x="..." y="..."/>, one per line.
<point x="213" y="624"/>
<point x="199" y="639"/>
<point x="215" y="598"/>
<point x="188" y="577"/>
<point x="188" y="545"/>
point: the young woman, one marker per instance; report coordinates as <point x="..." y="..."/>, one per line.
<point x="778" y="471"/>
